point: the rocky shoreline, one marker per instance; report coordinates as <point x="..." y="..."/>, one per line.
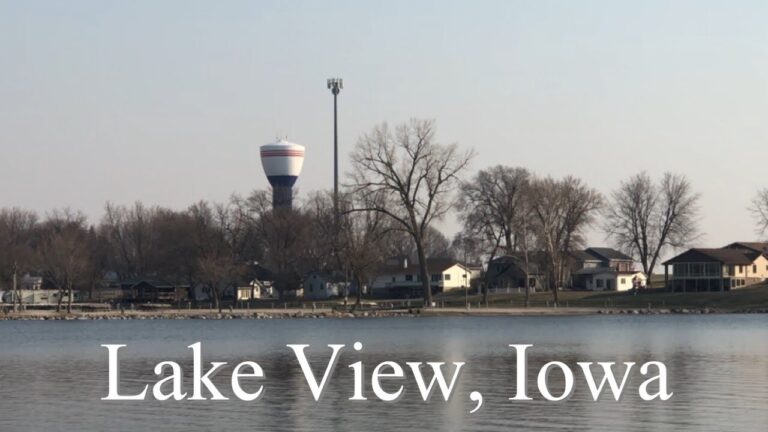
<point x="320" y="314"/>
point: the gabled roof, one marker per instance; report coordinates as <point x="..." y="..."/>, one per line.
<point x="583" y="256"/>
<point x="152" y="281"/>
<point x="517" y="259"/>
<point x="724" y="256"/>
<point x="258" y="272"/>
<point x="602" y="270"/>
<point x="434" y="265"/>
<point x="761" y="247"/>
<point x="607" y="254"/>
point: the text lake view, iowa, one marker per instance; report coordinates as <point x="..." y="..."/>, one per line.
<point x="57" y="373"/>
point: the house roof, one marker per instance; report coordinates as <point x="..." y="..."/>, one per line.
<point x="434" y="265"/>
<point x="608" y="254"/>
<point x="155" y="282"/>
<point x="600" y="270"/>
<point x="584" y="256"/>
<point x="258" y="272"/>
<point x="761" y="247"/>
<point x="724" y="256"/>
<point x="517" y="259"/>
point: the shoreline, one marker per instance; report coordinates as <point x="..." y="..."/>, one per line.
<point x="299" y="313"/>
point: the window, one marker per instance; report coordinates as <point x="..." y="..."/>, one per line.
<point x="447" y="276"/>
<point x="754" y="268"/>
<point x="623" y="281"/>
<point x="741" y="269"/>
<point x="599" y="283"/>
<point x="696" y="269"/>
<point x="436" y="277"/>
<point x="409" y="277"/>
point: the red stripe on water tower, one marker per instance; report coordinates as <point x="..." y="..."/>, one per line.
<point x="271" y="153"/>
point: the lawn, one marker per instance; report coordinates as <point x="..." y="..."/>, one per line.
<point x="745" y="299"/>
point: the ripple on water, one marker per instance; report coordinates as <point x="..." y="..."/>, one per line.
<point x="53" y="374"/>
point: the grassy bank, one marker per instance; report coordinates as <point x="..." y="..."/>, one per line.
<point x="746" y="299"/>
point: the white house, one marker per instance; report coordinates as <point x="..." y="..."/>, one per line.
<point x="256" y="289"/>
<point x="257" y="283"/>
<point x="319" y="286"/>
<point x="609" y="279"/>
<point x="401" y="278"/>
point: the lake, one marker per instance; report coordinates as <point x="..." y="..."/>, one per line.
<point x="53" y="374"/>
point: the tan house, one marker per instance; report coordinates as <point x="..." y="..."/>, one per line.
<point x="734" y="266"/>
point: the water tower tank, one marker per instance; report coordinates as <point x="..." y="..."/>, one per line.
<point x="282" y="162"/>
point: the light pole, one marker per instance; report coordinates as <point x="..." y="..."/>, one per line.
<point x="466" y="291"/>
<point x="335" y="85"/>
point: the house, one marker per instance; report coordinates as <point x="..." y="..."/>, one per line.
<point x="34" y="289"/>
<point x="256" y="284"/>
<point x="600" y="268"/>
<point x="153" y="290"/>
<point x="509" y="271"/>
<point x="600" y="257"/>
<point x="31" y="282"/>
<point x="40" y="296"/>
<point x="609" y="279"/>
<point x="583" y="269"/>
<point x="734" y="266"/>
<point x="321" y="286"/>
<point x="255" y="289"/>
<point x="400" y="278"/>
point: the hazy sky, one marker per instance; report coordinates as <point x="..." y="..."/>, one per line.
<point x="168" y="101"/>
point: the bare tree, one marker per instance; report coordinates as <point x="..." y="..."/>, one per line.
<point x="415" y="176"/>
<point x="17" y="229"/>
<point x="490" y="207"/>
<point x="63" y="252"/>
<point x="219" y="235"/>
<point x="645" y="219"/>
<point x="526" y="237"/>
<point x="562" y="210"/>
<point x="759" y="209"/>
<point x="362" y="238"/>
<point x="468" y="247"/>
<point x="129" y="231"/>
<point x="322" y="250"/>
<point x="282" y="236"/>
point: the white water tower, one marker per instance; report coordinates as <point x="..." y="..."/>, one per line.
<point x="282" y="162"/>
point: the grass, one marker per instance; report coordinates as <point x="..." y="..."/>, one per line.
<point x="745" y="299"/>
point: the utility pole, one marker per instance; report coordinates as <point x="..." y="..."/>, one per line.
<point x="335" y="85"/>
<point x="17" y="301"/>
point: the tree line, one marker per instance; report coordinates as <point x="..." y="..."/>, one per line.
<point x="402" y="181"/>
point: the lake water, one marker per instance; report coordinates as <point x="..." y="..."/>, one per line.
<point x="53" y="374"/>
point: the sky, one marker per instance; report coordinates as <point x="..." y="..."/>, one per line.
<point x="168" y="102"/>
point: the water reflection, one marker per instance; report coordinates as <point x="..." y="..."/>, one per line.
<point x="53" y="374"/>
